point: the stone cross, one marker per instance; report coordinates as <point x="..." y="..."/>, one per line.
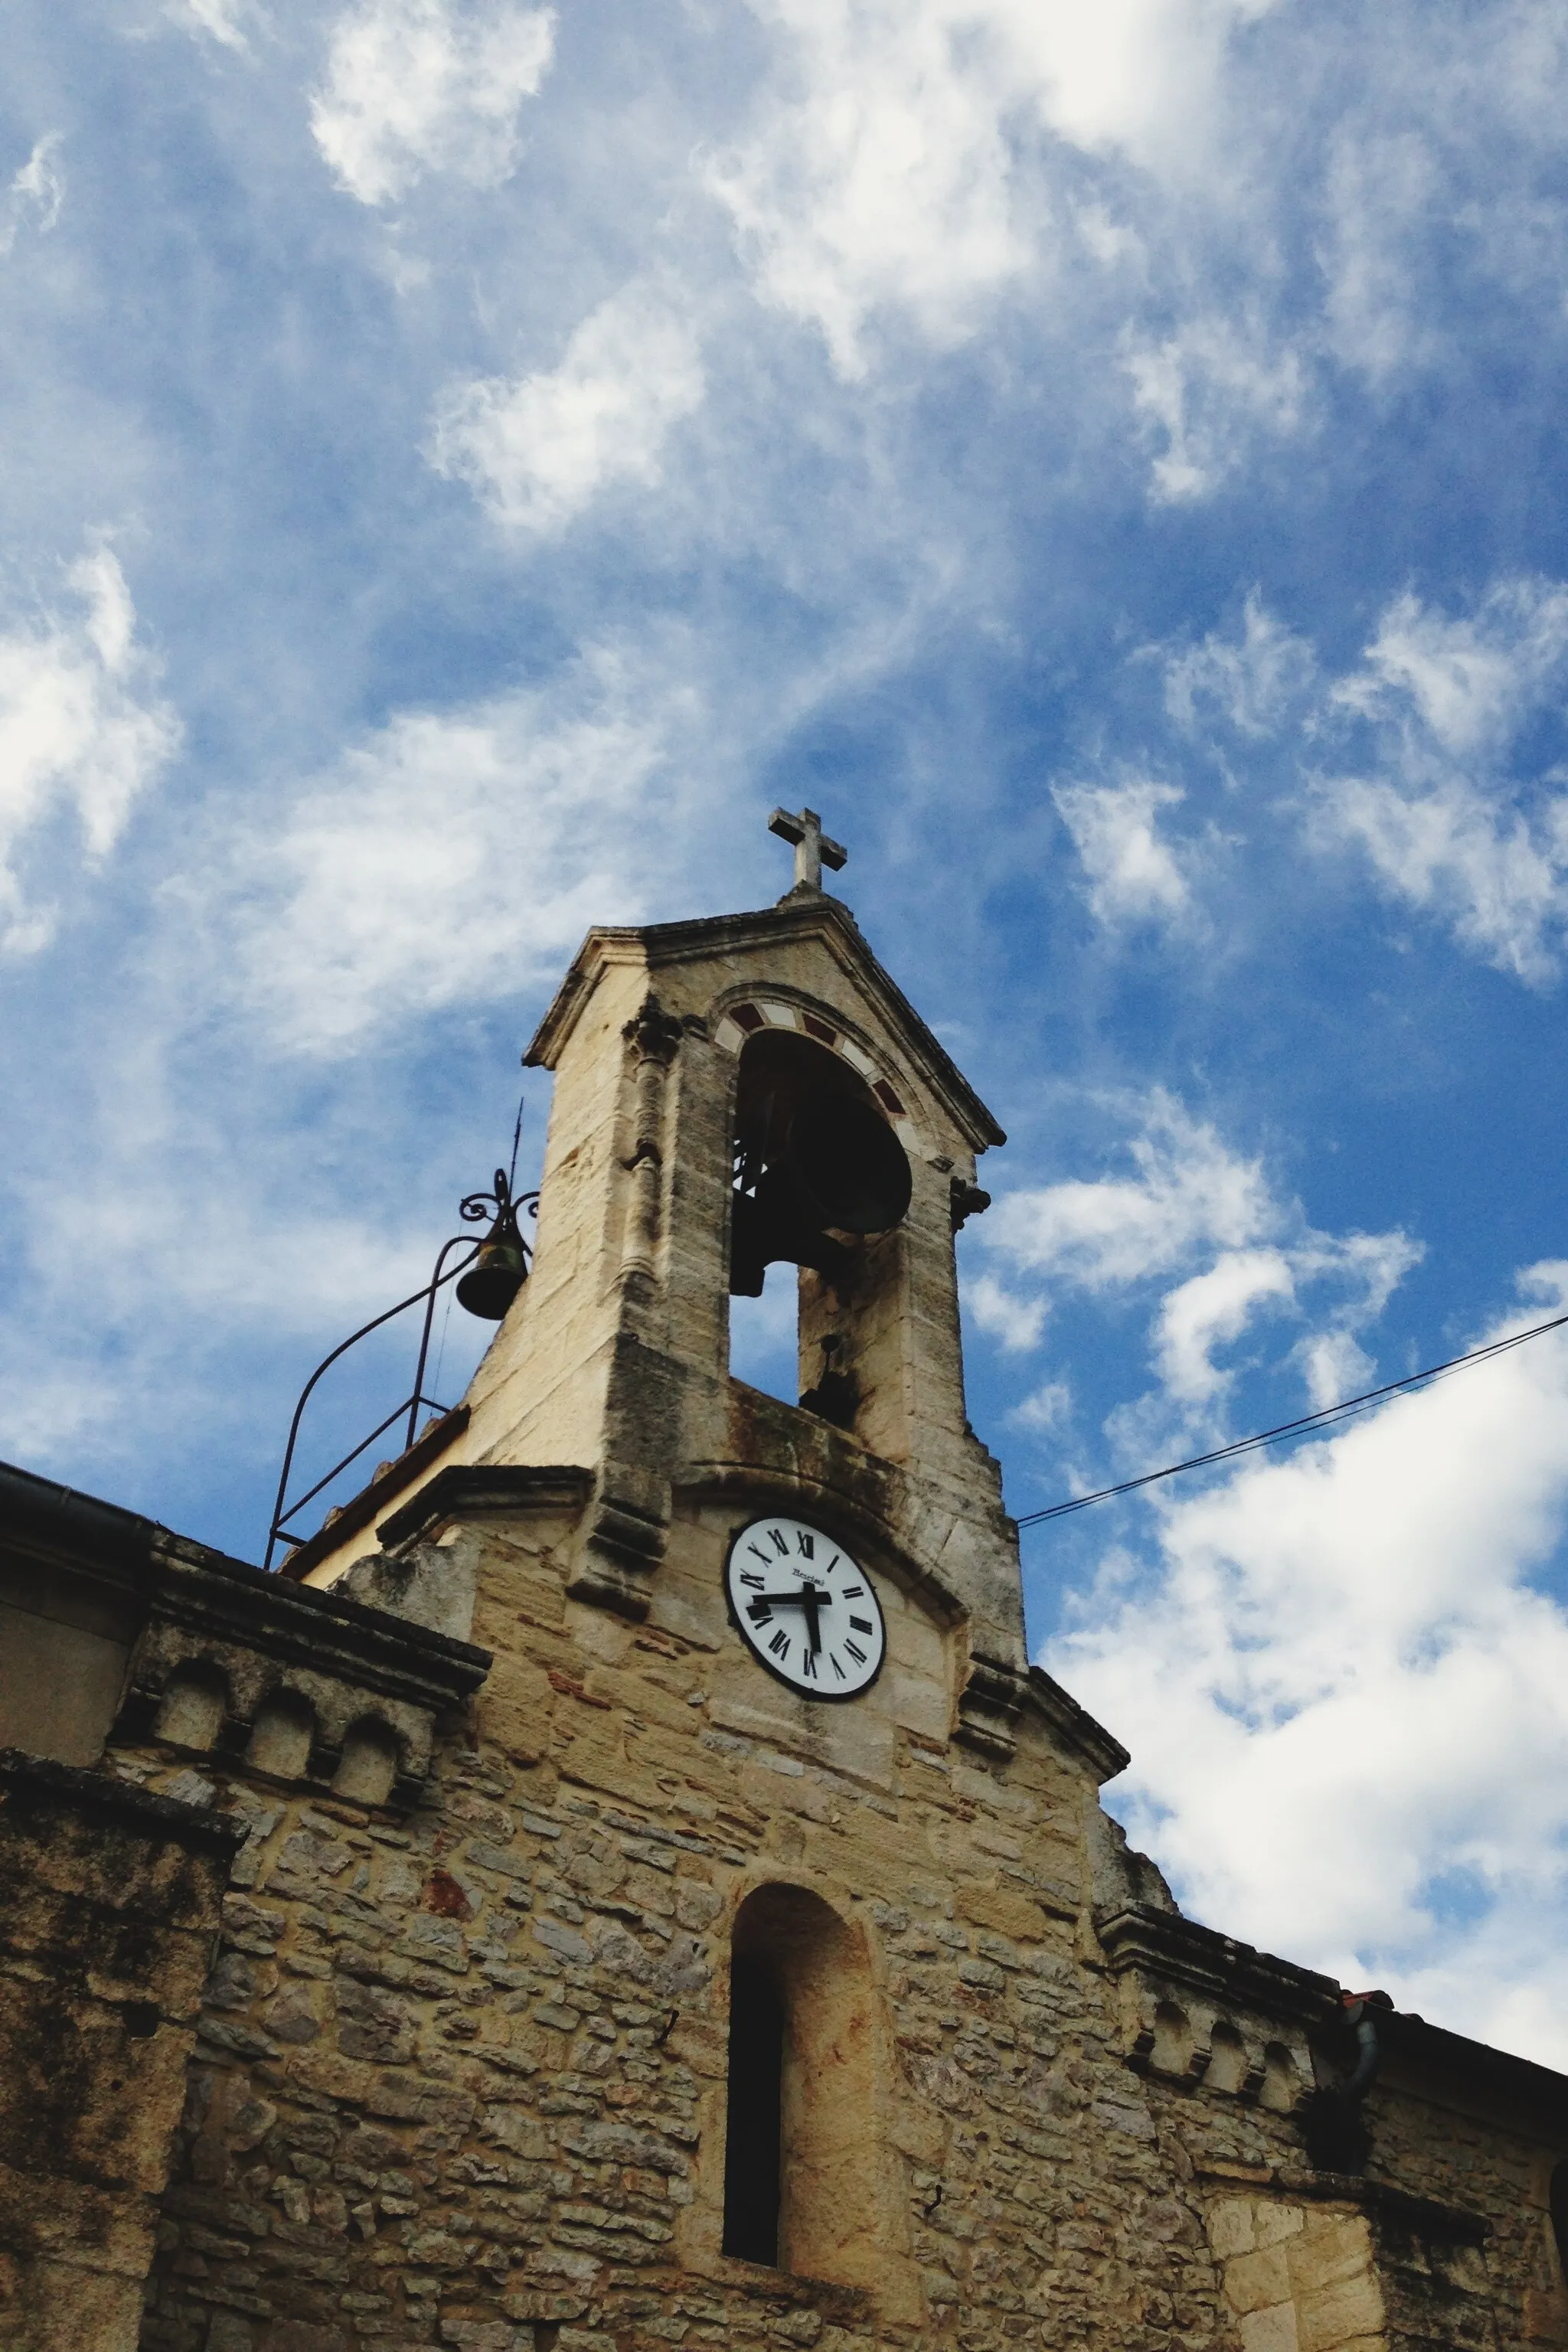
<point x="812" y="849"/>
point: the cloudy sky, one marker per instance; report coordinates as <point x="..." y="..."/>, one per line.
<point x="464" y="461"/>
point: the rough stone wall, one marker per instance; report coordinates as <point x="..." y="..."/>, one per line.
<point x="1445" y="2240"/>
<point x="461" y="2071"/>
<point x="108" y="1909"/>
<point x="1482" y="2167"/>
<point x="461" y="2078"/>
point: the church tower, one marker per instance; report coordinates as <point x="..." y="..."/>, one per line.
<point x="622" y="1885"/>
<point x="731" y="1093"/>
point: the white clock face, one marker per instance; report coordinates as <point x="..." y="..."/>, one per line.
<point x="805" y="1609"/>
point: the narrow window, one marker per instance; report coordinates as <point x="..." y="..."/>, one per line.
<point x="800" y="2151"/>
<point x="752" y="2155"/>
<point x="1558" y="2199"/>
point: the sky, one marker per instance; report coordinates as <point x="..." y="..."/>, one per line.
<point x="463" y="462"/>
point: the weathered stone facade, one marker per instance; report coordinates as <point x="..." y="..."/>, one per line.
<point x="514" y="1795"/>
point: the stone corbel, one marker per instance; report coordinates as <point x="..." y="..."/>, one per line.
<point x="623" y="1545"/>
<point x="989" y="1707"/>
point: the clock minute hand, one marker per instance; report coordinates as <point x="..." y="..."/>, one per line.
<point x="811" y="1597"/>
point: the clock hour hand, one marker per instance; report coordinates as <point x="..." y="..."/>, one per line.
<point x="813" y="1598"/>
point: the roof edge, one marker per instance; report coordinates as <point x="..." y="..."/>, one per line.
<point x="801" y="911"/>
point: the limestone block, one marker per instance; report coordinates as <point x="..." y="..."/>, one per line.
<point x="1332" y="2314"/>
<point x="1253" y="2281"/>
<point x="1230" y="2227"/>
<point x="1272" y="2330"/>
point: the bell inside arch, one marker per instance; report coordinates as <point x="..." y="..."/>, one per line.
<point x="499" y="1269"/>
<point x="816" y="1162"/>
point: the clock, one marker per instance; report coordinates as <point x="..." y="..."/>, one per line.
<point x="805" y="1608"/>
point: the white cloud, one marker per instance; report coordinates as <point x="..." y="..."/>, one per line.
<point x="1015" y="1322"/>
<point x="1467" y="684"/>
<point x="1196" y="1212"/>
<point x="1212" y="1307"/>
<point x="1446" y="826"/>
<point x="882" y="171"/>
<point x="1209" y="390"/>
<point x="82" y="732"/>
<point x="1499" y="880"/>
<point x="1045" y="1409"/>
<point x="539" y="450"/>
<point x="414" y="86"/>
<point x="1351" y="1698"/>
<point x="461" y="856"/>
<point x="215" y="20"/>
<point x="1134" y="875"/>
<point x="1190" y="1194"/>
<point x="1382" y="189"/>
<point x="1252" y="681"/>
<point x="34" y="194"/>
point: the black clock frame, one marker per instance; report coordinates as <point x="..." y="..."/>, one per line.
<point x="817" y="1698"/>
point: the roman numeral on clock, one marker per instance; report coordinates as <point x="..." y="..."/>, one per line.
<point x="779" y="1645"/>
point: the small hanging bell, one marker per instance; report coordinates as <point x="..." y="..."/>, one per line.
<point x="498" y="1273"/>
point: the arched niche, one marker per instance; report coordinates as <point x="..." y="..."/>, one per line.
<point x="283" y="1736"/>
<point x="1173" y="2040"/>
<point x="800" y="2172"/>
<point x="1226" y="2069"/>
<point x="194" y="1706"/>
<point x="368" y="1765"/>
<point x="1281" y="2084"/>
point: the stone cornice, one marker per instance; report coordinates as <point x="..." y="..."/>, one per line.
<point x="1177" y="1951"/>
<point x="204" y="1594"/>
<point x="1075" y="1728"/>
<point x="805" y="914"/>
<point x="35" y="1784"/>
<point x="488" y="1490"/>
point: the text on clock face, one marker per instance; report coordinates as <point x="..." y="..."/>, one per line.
<point x="805" y="1607"/>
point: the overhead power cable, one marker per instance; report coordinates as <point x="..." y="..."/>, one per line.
<point x="1329" y="1413"/>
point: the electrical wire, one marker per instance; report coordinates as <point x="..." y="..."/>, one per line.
<point x="1329" y="1413"/>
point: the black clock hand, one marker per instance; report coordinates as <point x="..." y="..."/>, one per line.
<point x="812" y="1598"/>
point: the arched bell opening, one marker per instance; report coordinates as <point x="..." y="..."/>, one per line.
<point x="800" y="2151"/>
<point x="822" y="1184"/>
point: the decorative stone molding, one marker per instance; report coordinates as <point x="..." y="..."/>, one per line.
<point x="297" y="1681"/>
<point x="989" y="1707"/>
<point x="1075" y="1728"/>
<point x="1197" y="2007"/>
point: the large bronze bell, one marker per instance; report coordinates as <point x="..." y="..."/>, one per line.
<point x="488" y="1285"/>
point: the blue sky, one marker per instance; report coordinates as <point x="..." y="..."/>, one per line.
<point x="464" y="463"/>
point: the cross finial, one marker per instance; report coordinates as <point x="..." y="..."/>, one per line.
<point x="812" y="849"/>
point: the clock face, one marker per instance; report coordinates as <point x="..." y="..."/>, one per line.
<point x="805" y="1609"/>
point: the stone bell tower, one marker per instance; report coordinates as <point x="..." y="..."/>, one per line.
<point x="680" y="1053"/>
<point x="623" y="1888"/>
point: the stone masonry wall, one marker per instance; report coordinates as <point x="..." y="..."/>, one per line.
<point x="461" y="2079"/>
